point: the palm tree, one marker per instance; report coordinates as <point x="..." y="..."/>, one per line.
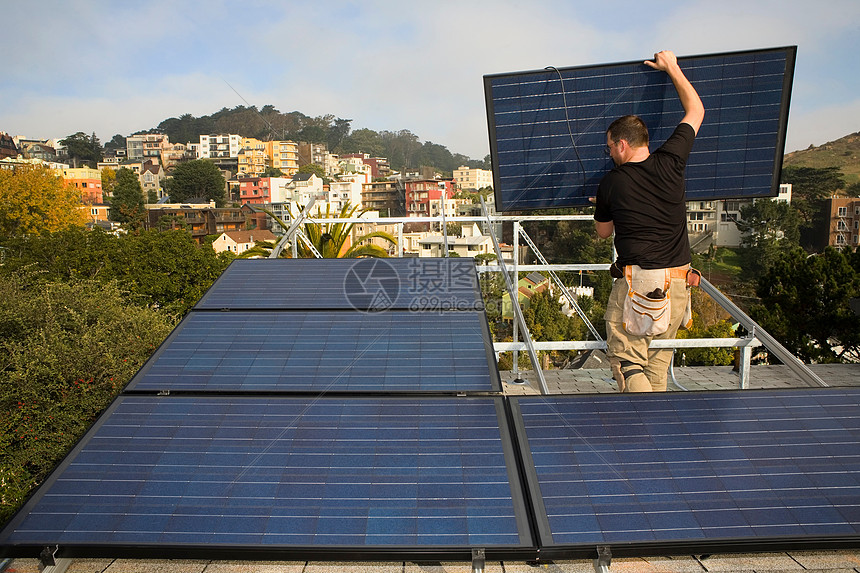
<point x="330" y="239"/>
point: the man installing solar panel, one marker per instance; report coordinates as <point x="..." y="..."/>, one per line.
<point x="642" y="200"/>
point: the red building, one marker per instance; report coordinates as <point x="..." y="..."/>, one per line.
<point x="424" y="196"/>
<point x="254" y="190"/>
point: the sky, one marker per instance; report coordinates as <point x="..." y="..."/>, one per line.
<point x="118" y="67"/>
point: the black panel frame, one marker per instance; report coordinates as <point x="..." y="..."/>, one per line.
<point x="591" y="177"/>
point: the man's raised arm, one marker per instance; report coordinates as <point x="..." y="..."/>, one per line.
<point x="695" y="111"/>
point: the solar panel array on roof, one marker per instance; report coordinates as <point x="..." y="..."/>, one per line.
<point x="548" y="127"/>
<point x="711" y="469"/>
<point x="287" y="473"/>
<point x="229" y="442"/>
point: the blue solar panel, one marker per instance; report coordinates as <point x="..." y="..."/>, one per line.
<point x="284" y="473"/>
<point x="547" y="127"/>
<point x="325" y="351"/>
<point x="695" y="468"/>
<point x="362" y="284"/>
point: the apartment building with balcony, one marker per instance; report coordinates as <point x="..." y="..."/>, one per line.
<point x="200" y="220"/>
<point x="843" y="228"/>
<point x="284" y="155"/>
<point x="387" y="197"/>
<point x="143" y="146"/>
<point x="252" y="158"/>
<point x="424" y="197"/>
<point x="219" y="146"/>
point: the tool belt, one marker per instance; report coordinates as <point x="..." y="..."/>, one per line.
<point x="647" y="309"/>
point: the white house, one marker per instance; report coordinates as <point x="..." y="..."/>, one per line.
<point x="237" y="242"/>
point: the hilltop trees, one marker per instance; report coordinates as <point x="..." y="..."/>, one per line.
<point x="34" y="200"/>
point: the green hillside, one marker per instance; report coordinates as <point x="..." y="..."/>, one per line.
<point x="843" y="153"/>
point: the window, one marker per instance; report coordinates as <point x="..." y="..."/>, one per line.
<point x="841" y="211"/>
<point x="841" y="226"/>
<point x="840" y="239"/>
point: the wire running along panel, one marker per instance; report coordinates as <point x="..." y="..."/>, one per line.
<point x="700" y="468"/>
<point x="288" y="472"/>
<point x="548" y="127"/>
<point x="324" y="351"/>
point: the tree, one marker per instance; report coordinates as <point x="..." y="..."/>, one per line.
<point x="337" y="132"/>
<point x="35" y="200"/>
<point x="196" y="180"/>
<point x="330" y="239"/>
<point x="272" y="172"/>
<point x="108" y="182"/>
<point x="317" y="170"/>
<point x="810" y="186"/>
<point x="769" y="229"/>
<point x="165" y="270"/>
<point x="66" y="350"/>
<point x="83" y="149"/>
<point x="805" y="304"/>
<point x="127" y="203"/>
<point x="116" y="142"/>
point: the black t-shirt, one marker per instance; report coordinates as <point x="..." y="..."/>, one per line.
<point x="646" y="203"/>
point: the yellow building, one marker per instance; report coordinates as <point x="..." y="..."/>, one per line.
<point x="255" y="156"/>
<point x="285" y="156"/>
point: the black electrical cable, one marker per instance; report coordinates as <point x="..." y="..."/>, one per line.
<point x="567" y="118"/>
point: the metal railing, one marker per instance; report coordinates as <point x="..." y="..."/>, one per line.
<point x="757" y="337"/>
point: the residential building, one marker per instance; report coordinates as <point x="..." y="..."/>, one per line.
<point x="19" y="161"/>
<point x="528" y="286"/>
<point x="98" y="215"/>
<point x="35" y="148"/>
<point x="728" y="213"/>
<point x="467" y="178"/>
<point x="143" y="146"/>
<point x="252" y="157"/>
<point x="284" y="155"/>
<point x="423" y="197"/>
<point x="470" y="243"/>
<point x="304" y="186"/>
<point x="379" y="166"/>
<point x="7" y="146"/>
<point x="219" y="146"/>
<point x="843" y="229"/>
<point x="361" y="229"/>
<point x="87" y="180"/>
<point x="312" y="153"/>
<point x="175" y="153"/>
<point x="237" y="242"/>
<point x="344" y="192"/>
<point x="387" y="197"/>
<point x="151" y="177"/>
<point x="200" y="220"/>
<point x="261" y="190"/>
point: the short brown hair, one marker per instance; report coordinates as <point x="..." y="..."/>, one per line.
<point x="630" y="128"/>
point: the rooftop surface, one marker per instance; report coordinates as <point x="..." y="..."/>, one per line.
<point x="595" y="380"/>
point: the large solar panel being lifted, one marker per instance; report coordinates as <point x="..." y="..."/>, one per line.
<point x="709" y="470"/>
<point x="548" y="127"/>
<point x="362" y="284"/>
<point x="220" y="475"/>
<point x="325" y="351"/>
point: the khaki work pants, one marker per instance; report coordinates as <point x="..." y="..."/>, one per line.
<point x="635" y="367"/>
